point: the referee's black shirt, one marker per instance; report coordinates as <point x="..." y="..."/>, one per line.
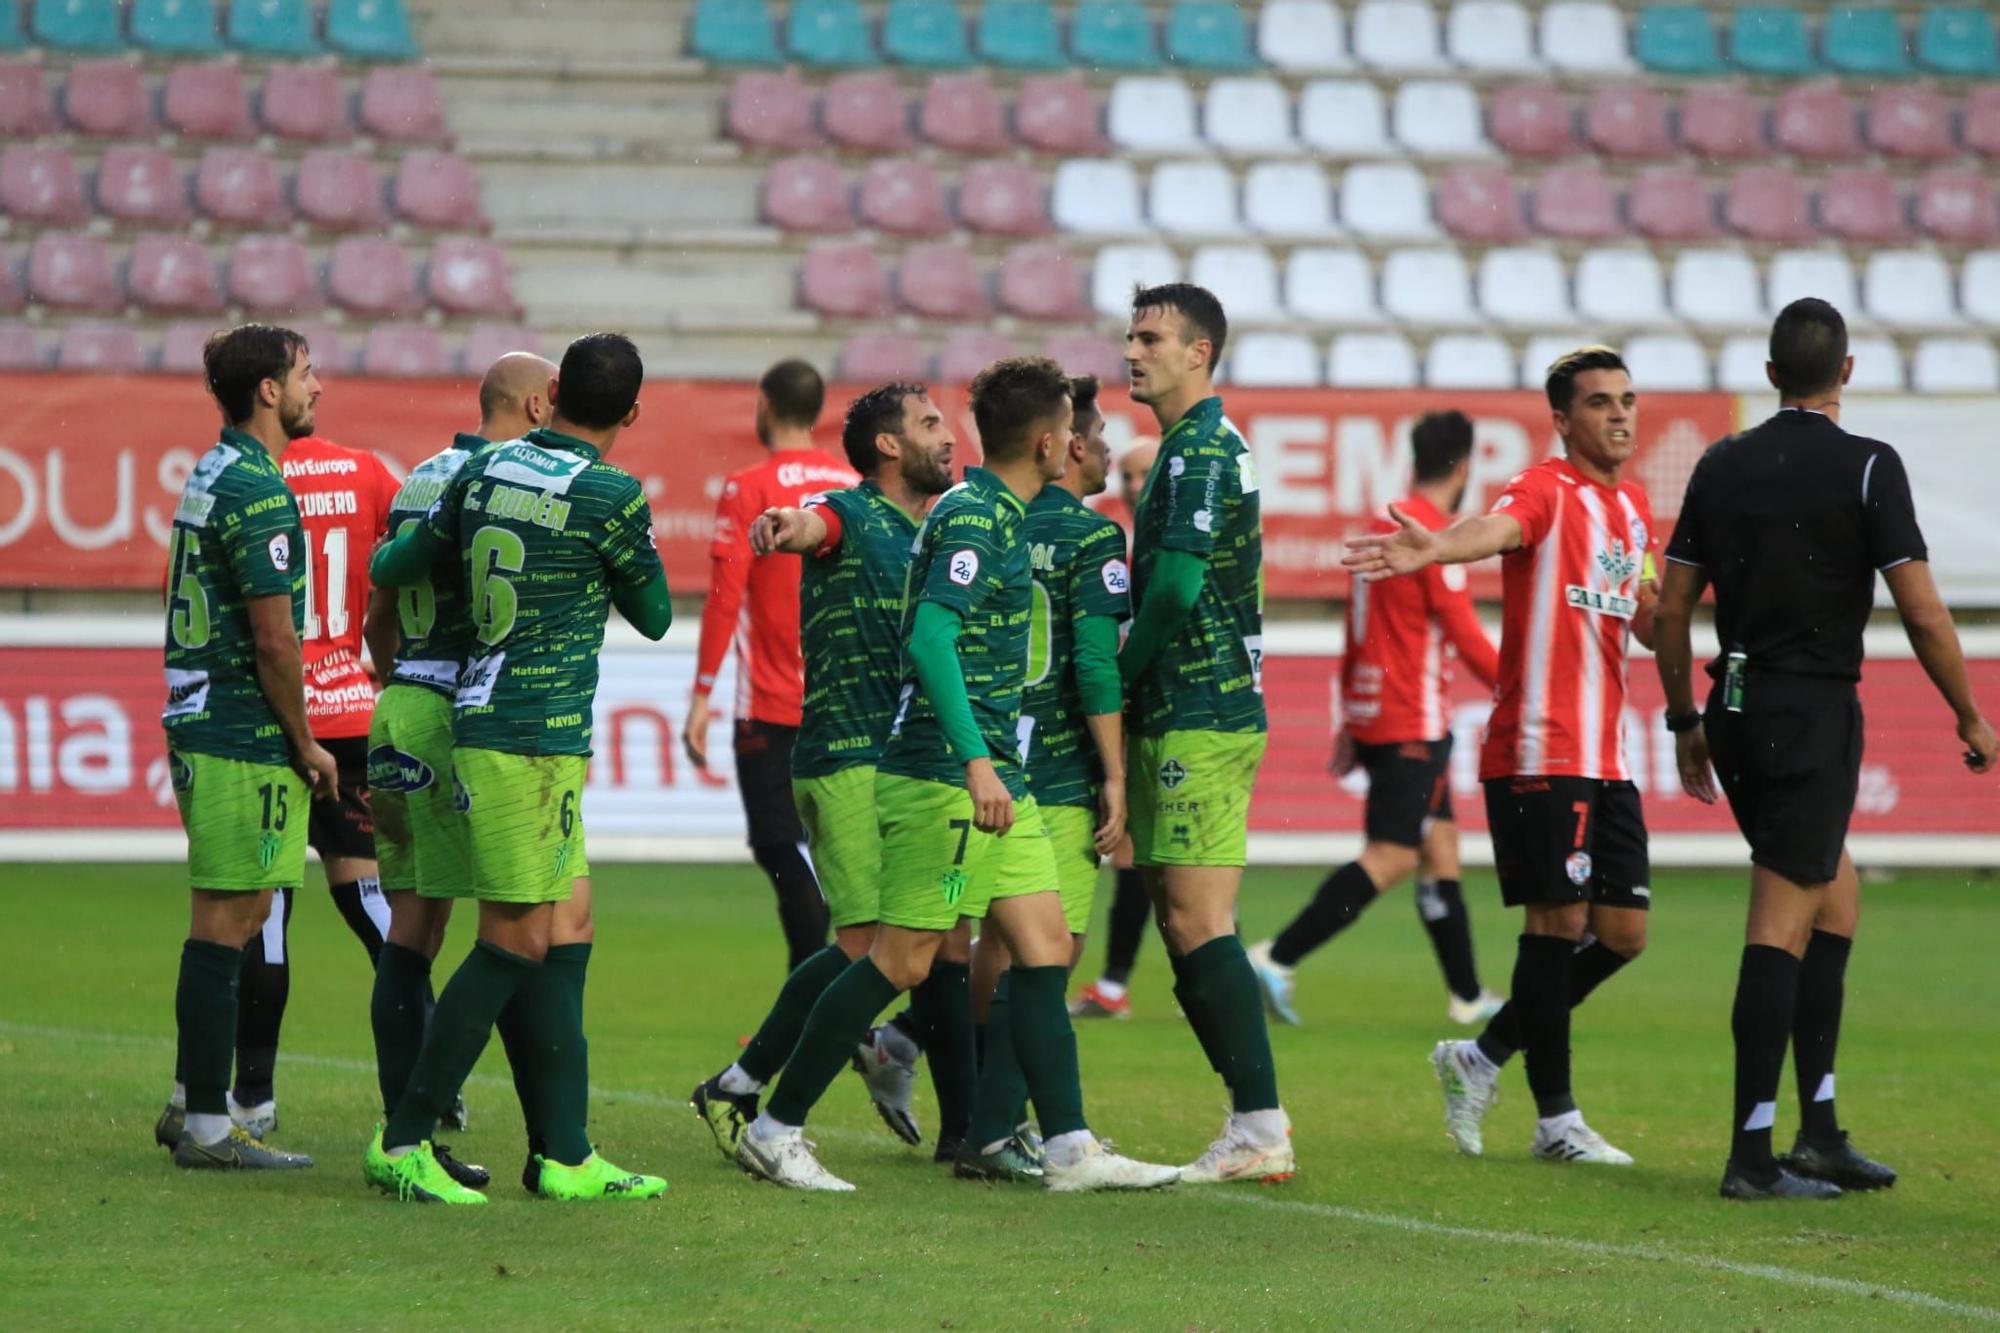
<point x="1790" y="520"/>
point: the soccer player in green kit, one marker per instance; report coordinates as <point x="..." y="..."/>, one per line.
<point x="550" y="538"/>
<point x="961" y="837"/>
<point x="1193" y="667"/>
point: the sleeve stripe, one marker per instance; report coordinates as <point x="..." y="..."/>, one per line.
<point x="1866" y="473"/>
<point x="1678" y="560"/>
<point x="1893" y="563"/>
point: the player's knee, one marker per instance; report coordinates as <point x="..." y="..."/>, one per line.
<point x="1625" y="941"/>
<point x="1564" y="920"/>
<point x="904" y="971"/>
<point x="1388" y="864"/>
<point x="855" y="941"/>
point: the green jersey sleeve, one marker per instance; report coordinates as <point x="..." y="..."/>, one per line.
<point x="624" y="539"/>
<point x="260" y="541"/>
<point x="968" y="567"/>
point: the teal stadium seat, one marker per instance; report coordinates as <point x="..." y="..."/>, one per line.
<point x="829" y="33"/>
<point x="77" y="25"/>
<point x="175" y="27"/>
<point x="1770" y="39"/>
<point x="370" y="29"/>
<point x="736" y="32"/>
<point x="1861" y="40"/>
<point x="1113" y="34"/>
<point x="1209" y="34"/>
<point x="1677" y="39"/>
<point x="272" y="28"/>
<point x="1957" y="39"/>
<point x="11" y="36"/>
<point x="1020" y="34"/>
<point x="930" y="33"/>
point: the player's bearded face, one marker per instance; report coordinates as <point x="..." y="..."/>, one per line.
<point x="297" y="394"/>
<point x="926" y="447"/>
<point x="1602" y="424"/>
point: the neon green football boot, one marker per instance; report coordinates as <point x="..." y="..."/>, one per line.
<point x="414" y="1177"/>
<point x="596" y="1178"/>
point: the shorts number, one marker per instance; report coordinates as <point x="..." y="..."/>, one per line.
<point x="964" y="827"/>
<point x="416" y="605"/>
<point x="188" y="618"/>
<point x="1040" y="625"/>
<point x="275" y="811"/>
<point x="494" y="602"/>
<point x="1582" y="809"/>
<point x="568" y="813"/>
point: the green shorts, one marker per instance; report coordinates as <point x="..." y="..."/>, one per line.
<point x="838" y="814"/>
<point x="421" y="840"/>
<point x="1190" y="796"/>
<point x="246" y="823"/>
<point x="936" y="867"/>
<point x="524" y="818"/>
<point x="1073" y="840"/>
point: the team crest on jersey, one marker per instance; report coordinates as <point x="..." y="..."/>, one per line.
<point x="267" y="848"/>
<point x="1639" y="534"/>
<point x="1172" y="774"/>
<point x="1577" y="867"/>
<point x="461" y="798"/>
<point x="181" y="772"/>
<point x="1618" y="562"/>
<point x="962" y="567"/>
<point x="952" y="882"/>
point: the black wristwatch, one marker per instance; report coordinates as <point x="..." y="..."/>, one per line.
<point x="1685" y="722"/>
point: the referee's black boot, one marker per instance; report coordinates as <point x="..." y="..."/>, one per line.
<point x="1841" y="1163"/>
<point x="1738" y="1183"/>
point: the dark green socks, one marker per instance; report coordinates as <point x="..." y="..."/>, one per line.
<point x="459" y="1030"/>
<point x="1228" y="1011"/>
<point x="396" y="1010"/>
<point x="772" y="1046"/>
<point x="834" y="1028"/>
<point x="1045" y="1044"/>
<point x="205" y="1013"/>
<point x="944" y="1000"/>
<point x="542" y="1029"/>
<point x="996" y="1104"/>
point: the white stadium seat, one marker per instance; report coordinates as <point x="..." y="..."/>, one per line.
<point x="1440" y="118"/>
<point x="1372" y="361"/>
<point x="1825" y="274"/>
<point x="1667" y="362"/>
<point x="1248" y="116"/>
<point x="1718" y="289"/>
<point x="1345" y="118"/>
<point x="1120" y="268"/>
<point x="1739" y="368"/>
<point x="1621" y="289"/>
<point x="1428" y="287"/>
<point x="1193" y="199"/>
<point x="1400" y="36"/>
<point x="1585" y="37"/>
<point x="1331" y="287"/>
<point x="1955" y="365"/>
<point x="1468" y="361"/>
<point x="1302" y="35"/>
<point x="1878" y="366"/>
<point x="1152" y="115"/>
<point x="1525" y="288"/>
<point x="1097" y="196"/>
<point x="1909" y="289"/>
<point x="1289" y="199"/>
<point x="1540" y="354"/>
<point x="1386" y="201"/>
<point x="1979" y="286"/>
<point x="1243" y="277"/>
<point x="1492" y="36"/>
<point x="1273" y="361"/>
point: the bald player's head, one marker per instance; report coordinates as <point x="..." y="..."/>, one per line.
<point x="1133" y="465"/>
<point x="514" y="396"/>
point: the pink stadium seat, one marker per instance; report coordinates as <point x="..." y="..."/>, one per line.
<point x="1042" y="282"/>
<point x="339" y="190"/>
<point x="305" y="103"/>
<point x="1722" y="122"/>
<point x="371" y="276"/>
<point x="807" y="194"/>
<point x="1087" y="354"/>
<point x="467" y="276"/>
<point x="768" y="110"/>
<point x="1767" y="204"/>
<point x="969" y="351"/>
<point x="108" y="349"/>
<point x="1627" y="120"/>
<point x="1671" y="204"/>
<point x="904" y="198"/>
<point x="1577" y="203"/>
<point x="24" y="100"/>
<point x="18" y="350"/>
<point x="141" y="185"/>
<point x="240" y="187"/>
<point x="107" y="99"/>
<point x="73" y="272"/>
<point x="1478" y="202"/>
<point x="1957" y="206"/>
<point x="207" y="101"/>
<point x="1910" y="122"/>
<point x="1055" y="113"/>
<point x="404" y="351"/>
<point x="941" y="282"/>
<point x="401" y="103"/>
<point x="1862" y="206"/>
<point x="844" y="282"/>
<point x="866" y="112"/>
<point x="1530" y="120"/>
<point x="873" y="358"/>
<point x="438" y="190"/>
<point x="1004" y="199"/>
<point x="272" y="273"/>
<point x="962" y="112"/>
<point x="487" y="343"/>
<point x="1816" y="121"/>
<point x="330" y="355"/>
<point x="1981" y="128"/>
<point x="180" y="349"/>
<point x="172" y="273"/>
<point x="41" y="185"/>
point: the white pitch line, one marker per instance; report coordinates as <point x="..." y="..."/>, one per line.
<point x="1920" y="1300"/>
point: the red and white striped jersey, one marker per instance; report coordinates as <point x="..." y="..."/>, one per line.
<point x="1568" y="595"/>
<point x="1402" y="634"/>
<point x="343" y="497"/>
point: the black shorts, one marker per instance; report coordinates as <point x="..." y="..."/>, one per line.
<point x="1790" y="764"/>
<point x="344" y="827"/>
<point x="1568" y="840"/>
<point x="1408" y="783"/>
<point x="764" y="776"/>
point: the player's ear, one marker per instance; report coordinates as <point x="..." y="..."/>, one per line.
<point x="1846" y="370"/>
<point x="630" y="416"/>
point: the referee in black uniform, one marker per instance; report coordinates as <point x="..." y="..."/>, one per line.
<point x="1790" y="521"/>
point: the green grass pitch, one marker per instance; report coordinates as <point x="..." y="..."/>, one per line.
<point x="1385" y="1226"/>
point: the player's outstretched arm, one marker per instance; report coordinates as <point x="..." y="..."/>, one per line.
<point x="404" y="558"/>
<point x="791" y="531"/>
<point x="1095" y="664"/>
<point x="647" y="606"/>
<point x="1170" y="597"/>
<point x="1934" y="638"/>
<point x="1673" y="653"/>
<point x="281" y="676"/>
<point x="1381" y="555"/>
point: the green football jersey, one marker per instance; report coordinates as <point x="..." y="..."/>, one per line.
<point x="970" y="556"/>
<point x="544" y="530"/>
<point x="436" y="625"/>
<point x="236" y="536"/>
<point x="1077" y="556"/>
<point x="1201" y="497"/>
<point x="850" y="615"/>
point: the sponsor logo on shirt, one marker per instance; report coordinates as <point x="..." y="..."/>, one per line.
<point x="1172" y="774"/>
<point x="1117" y="579"/>
<point x="1601" y="603"/>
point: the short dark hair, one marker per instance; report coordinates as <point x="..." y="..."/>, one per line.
<point x="1196" y="305"/>
<point x="877" y="412"/>
<point x="1010" y="396"/>
<point x="599" y="380"/>
<point x="795" y="392"/>
<point x="1441" y="440"/>
<point x="1565" y="368"/>
<point x="1808" y="347"/>
<point x="1083" y="394"/>
<point x="236" y="361"/>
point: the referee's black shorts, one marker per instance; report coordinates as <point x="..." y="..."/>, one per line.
<point x="1790" y="764"/>
<point x="1408" y="786"/>
<point x="1569" y="840"/>
<point x="764" y="777"/>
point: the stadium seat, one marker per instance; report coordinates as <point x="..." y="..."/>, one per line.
<point x="439" y="190"/>
<point x="107" y="99"/>
<point x="1302" y="36"/>
<point x="100" y="348"/>
<point x="207" y="101"/>
<point x="903" y="197"/>
<point x="874" y="358"/>
<point x="1770" y="40"/>
<point x="1981" y="121"/>
<point x="71" y="273"/>
<point x="1371" y="361"/>
<point x="1096" y="195"/>
<point x="1344" y="118"/>
<point x="1540" y="353"/>
<point x="1057" y="114"/>
<point x="1865" y="41"/>
<point x="1821" y="273"/>
<point x="941" y="282"/>
<point x="76" y="25"/>
<point x="929" y="34"/>
<point x="175" y="27"/>
<point x="141" y="185"/>
<point x="25" y="110"/>
<point x="330" y="353"/>
<point x="404" y="351"/>
<point x="1041" y="282"/>
<point x="1909" y="289"/>
<point x="1331" y="287"/>
<point x="172" y="273"/>
<point x="1956" y="205"/>
<point x="1668" y="362"/>
<point x="469" y="276"/>
<point x="41" y="185"/>
<point x="1627" y="121"/>
<point x="1723" y="123"/>
<point x="19" y="349"/>
<point x="1577" y="203"/>
<point x="1621" y="289"/>
<point x="1193" y="199"/>
<point x="1862" y="206"/>
<point x="1954" y="365"/>
<point x="1272" y="361"/>
<point x="339" y="191"/>
<point x="866" y="112"/>
<point x="370" y="276"/>
<point x="1878" y="366"/>
<point x="966" y="352"/>
<point x="1979" y="287"/>
<point x="180" y="348"/>
<point x="1524" y="288"/>
<point x="735" y="32"/>
<point x="1531" y="120"/>
<point x="1243" y="277"/>
<point x="1677" y="39"/>
<point x="1120" y="268"/>
<point x="1428" y="287"/>
<point x="1209" y="34"/>
<point x="1292" y="199"/>
<point x="1767" y="204"/>
<point x="1248" y="116"/>
<point x="1386" y="201"/>
<point x="828" y="33"/>
<point x="1585" y="37"/>
<point x="1910" y="123"/>
<point x="272" y="28"/>
<point x="806" y="194"/>
<point x="1739" y="366"/>
<point x="1113" y="34"/>
<point x="767" y="110"/>
<point x="1440" y="118"/>
<point x="1718" y="289"/>
<point x="1003" y="199"/>
<point x="1671" y="204"/>
<point x="1816" y="121"/>
<point x="272" y="273"/>
<point x="1958" y="39"/>
<point x="1468" y="361"/>
<point x="240" y="187"/>
<point x="962" y="112"/>
<point x="1397" y="36"/>
<point x="1477" y="203"/>
<point x="844" y="281"/>
<point x="1019" y="34"/>
<point x="1152" y="115"/>
<point x="1492" y="37"/>
<point x="487" y="343"/>
<point x="402" y="105"/>
<point x="1087" y="354"/>
<point x="304" y="103"/>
